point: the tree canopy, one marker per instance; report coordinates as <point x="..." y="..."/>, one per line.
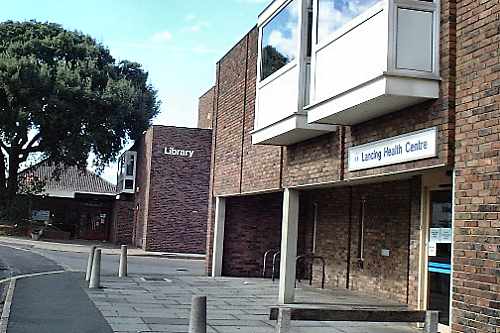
<point x="64" y="96"/>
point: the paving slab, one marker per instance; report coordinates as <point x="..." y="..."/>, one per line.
<point x="234" y="305"/>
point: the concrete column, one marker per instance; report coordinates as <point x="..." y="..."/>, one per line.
<point x="220" y="219"/>
<point x="431" y="322"/>
<point x="289" y="232"/>
<point x="284" y="324"/>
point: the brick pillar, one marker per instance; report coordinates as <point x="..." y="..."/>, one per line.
<point x="476" y="270"/>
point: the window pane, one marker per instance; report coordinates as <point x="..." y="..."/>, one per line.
<point x="333" y="14"/>
<point x="280" y="40"/>
<point x="130" y="166"/>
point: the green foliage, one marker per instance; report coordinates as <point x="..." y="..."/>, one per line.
<point x="68" y="90"/>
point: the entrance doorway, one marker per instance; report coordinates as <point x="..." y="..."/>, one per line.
<point x="439" y="254"/>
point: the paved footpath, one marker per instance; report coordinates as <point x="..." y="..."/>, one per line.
<point x="162" y="304"/>
<point x="54" y="304"/>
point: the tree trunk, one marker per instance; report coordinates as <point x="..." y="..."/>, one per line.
<point x="12" y="184"/>
<point x="3" y="180"/>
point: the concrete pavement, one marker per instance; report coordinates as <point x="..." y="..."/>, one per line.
<point x="162" y="304"/>
<point x="157" y="297"/>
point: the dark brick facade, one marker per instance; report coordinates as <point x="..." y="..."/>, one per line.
<point x="79" y="217"/>
<point x="253" y="226"/>
<point x="206" y="109"/>
<point x="467" y="118"/>
<point x="172" y="190"/>
<point x="122" y="227"/>
<point x="392" y="215"/>
<point x="476" y="270"/>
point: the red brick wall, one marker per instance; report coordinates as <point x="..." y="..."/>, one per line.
<point x="476" y="265"/>
<point x="392" y="215"/>
<point x="206" y="109"/>
<point x="261" y="165"/>
<point x="237" y="165"/>
<point x="253" y="226"/>
<point x="177" y="213"/>
<point x="230" y="108"/>
<point x="314" y="161"/>
<point x="122" y="221"/>
<point x="143" y="148"/>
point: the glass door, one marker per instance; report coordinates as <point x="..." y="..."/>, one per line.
<point x="439" y="254"/>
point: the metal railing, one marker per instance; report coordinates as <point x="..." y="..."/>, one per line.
<point x="311" y="257"/>
<point x="276" y="255"/>
<point x="264" y="263"/>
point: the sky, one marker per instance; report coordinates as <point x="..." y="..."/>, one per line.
<point x="177" y="41"/>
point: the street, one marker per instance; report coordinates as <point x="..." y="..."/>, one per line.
<point x="54" y="303"/>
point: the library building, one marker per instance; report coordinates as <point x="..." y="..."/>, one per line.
<point x="162" y="190"/>
<point x="358" y="145"/>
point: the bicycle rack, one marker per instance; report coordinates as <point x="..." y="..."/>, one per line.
<point x="311" y="257"/>
<point x="276" y="255"/>
<point x="264" y="266"/>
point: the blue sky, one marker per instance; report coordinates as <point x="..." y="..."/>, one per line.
<point x="177" y="41"/>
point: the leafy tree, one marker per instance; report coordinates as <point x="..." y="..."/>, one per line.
<point x="63" y="95"/>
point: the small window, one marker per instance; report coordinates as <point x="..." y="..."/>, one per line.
<point x="334" y="14"/>
<point x="130" y="165"/>
<point x="129" y="184"/>
<point x="280" y="40"/>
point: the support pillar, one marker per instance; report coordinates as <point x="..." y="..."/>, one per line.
<point x="220" y="219"/>
<point x="289" y="232"/>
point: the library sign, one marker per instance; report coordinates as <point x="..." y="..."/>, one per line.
<point x="399" y="149"/>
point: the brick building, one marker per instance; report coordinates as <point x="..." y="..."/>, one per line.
<point x="205" y="109"/>
<point x="77" y="204"/>
<point x="163" y="184"/>
<point x="372" y="142"/>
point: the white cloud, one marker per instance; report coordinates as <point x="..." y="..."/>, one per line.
<point x="285" y="37"/>
<point x="203" y="49"/>
<point x="333" y="16"/>
<point x="161" y="37"/>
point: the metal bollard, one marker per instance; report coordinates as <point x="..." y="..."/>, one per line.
<point x="122" y="271"/>
<point x="89" y="263"/>
<point x="95" y="276"/>
<point x="198" y="319"/>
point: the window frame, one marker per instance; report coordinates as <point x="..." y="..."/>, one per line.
<point x="262" y="82"/>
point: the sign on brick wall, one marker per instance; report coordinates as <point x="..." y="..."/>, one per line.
<point x="178" y="152"/>
<point x="403" y="148"/>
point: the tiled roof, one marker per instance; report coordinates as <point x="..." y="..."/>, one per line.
<point x="71" y="180"/>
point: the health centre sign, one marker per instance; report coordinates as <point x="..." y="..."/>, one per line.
<point x="399" y="149"/>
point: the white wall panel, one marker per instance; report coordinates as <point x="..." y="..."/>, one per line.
<point x="277" y="99"/>
<point x="414" y="40"/>
<point x="353" y="59"/>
